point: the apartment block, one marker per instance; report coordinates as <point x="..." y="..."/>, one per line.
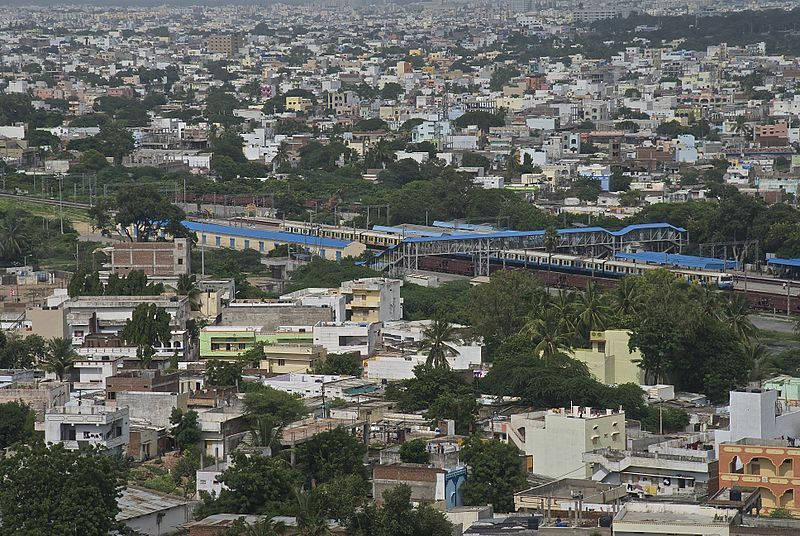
<point x="609" y="359"/>
<point x="556" y="440"/>
<point x="228" y="44"/>
<point x="373" y="299"/>
<point x="770" y="466"/>
<point x="346" y="337"/>
<point x="229" y="342"/>
<point x="75" y="426"/>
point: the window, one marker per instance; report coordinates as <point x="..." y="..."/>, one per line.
<point x="218" y="241"/>
<point x="261" y="247"/>
<point x="203" y="239"/>
<point x="180" y="262"/>
<point x="338" y="255"/>
<point x="281" y="362"/>
<point x="233" y="243"/>
<point x="246" y="244"/>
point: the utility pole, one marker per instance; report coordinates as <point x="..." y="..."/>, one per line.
<point x="61" y="203"/>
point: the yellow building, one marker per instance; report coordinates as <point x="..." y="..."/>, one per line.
<point x="285" y="358"/>
<point x="240" y="238"/>
<point x="298" y="104"/>
<point x="609" y="359"/>
<point x="373" y="299"/>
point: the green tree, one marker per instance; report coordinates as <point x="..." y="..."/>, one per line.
<point x="380" y="154"/>
<point x="115" y="141"/>
<point x="500" y="307"/>
<point x="223" y="372"/>
<point x="254" y="484"/>
<point x="185" y="428"/>
<point x="269" y="410"/>
<point x="342" y="496"/>
<point x="49" y="490"/>
<point x="59" y="357"/>
<point x="16" y="423"/>
<point x="550" y="331"/>
<point x="13" y="237"/>
<point x="414" y="451"/>
<point x="495" y="473"/>
<point x="330" y="455"/>
<point x="437" y="342"/>
<point x="149" y="326"/>
<point x="348" y="364"/>
<point x="397" y="517"/>
<point x="143" y="213"/>
<point x="310" y="514"/>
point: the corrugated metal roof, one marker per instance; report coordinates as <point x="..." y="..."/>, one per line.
<point x="273" y="236"/>
<point x="513" y="234"/>
<point x="672" y="259"/>
<point x="791" y="263"/>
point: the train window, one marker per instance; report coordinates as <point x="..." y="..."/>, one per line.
<point x="246" y="244"/>
<point x="232" y="242"/>
<point x="218" y="241"/>
<point x="261" y="246"/>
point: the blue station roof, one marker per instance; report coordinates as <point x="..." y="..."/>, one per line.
<point x="260" y="234"/>
<point x="787" y="263"/>
<point x="572" y="230"/>
<point x="672" y="259"/>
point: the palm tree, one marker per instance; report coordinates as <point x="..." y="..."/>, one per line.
<point x="310" y="516"/>
<point x="550" y="331"/>
<point x="187" y="286"/>
<point x="12" y="237"/>
<point x="59" y="357"/>
<point x="381" y="154"/>
<point x="736" y="313"/>
<point x="563" y="304"/>
<point x="626" y="299"/>
<point x="761" y="362"/>
<point x="592" y="309"/>
<point x="707" y="298"/>
<point x="437" y="340"/>
<point x="282" y="156"/>
<point x="262" y="527"/>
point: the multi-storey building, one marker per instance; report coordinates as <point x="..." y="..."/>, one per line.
<point x="76" y="426"/>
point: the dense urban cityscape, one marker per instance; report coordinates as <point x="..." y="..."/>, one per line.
<point x="400" y="269"/>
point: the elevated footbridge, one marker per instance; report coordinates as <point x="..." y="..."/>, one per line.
<point x="587" y="241"/>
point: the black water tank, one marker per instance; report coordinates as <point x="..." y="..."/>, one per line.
<point x="605" y="521"/>
<point x="736" y="494"/>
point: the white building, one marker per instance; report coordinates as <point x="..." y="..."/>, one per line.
<point x="320" y="297"/>
<point x="90" y="370"/>
<point x="758" y="414"/>
<point x="644" y="518"/>
<point x="557" y="439"/>
<point x="347" y="388"/>
<point x="74" y="426"/>
<point x="345" y="337"/>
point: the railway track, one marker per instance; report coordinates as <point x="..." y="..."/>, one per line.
<point x="45" y="201"/>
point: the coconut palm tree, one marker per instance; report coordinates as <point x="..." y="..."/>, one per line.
<point x="707" y="298"/>
<point x="12" y="237"/>
<point x="187" y="286"/>
<point x="310" y="516"/>
<point x="736" y="313"/>
<point x="381" y="154"/>
<point x="282" y="156"/>
<point x="437" y="341"/>
<point x="762" y="362"/>
<point x="59" y="356"/>
<point x="626" y="299"/>
<point x="550" y="331"/>
<point x="592" y="310"/>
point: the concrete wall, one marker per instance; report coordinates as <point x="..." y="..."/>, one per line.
<point x="272" y="317"/>
<point x="153" y="407"/>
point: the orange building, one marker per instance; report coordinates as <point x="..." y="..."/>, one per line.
<point x="769" y="466"/>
